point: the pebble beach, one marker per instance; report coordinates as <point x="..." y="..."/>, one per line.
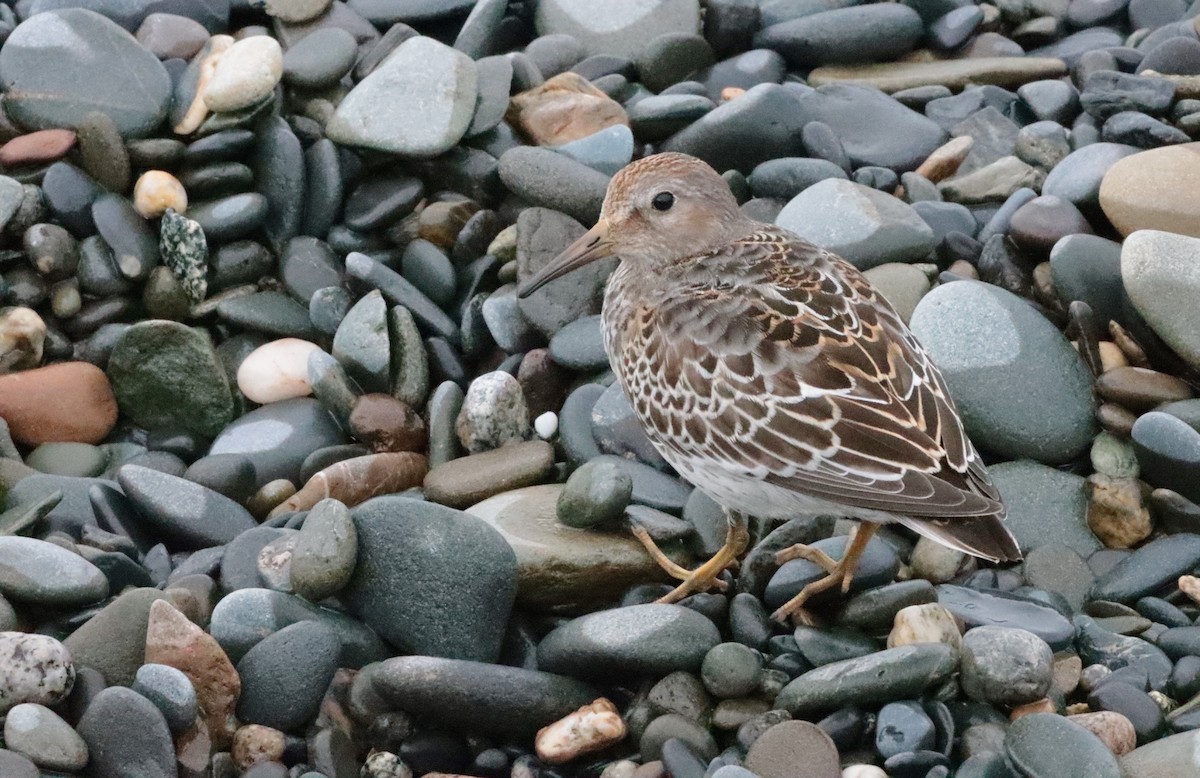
<point x="296" y="486"/>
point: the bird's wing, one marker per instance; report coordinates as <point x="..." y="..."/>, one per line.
<point x="778" y="361"/>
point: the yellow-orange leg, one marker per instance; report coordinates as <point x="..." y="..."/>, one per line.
<point x="705" y="576"/>
<point x="840" y="571"/>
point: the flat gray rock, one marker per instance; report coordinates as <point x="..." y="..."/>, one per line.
<point x="127" y="735"/>
<point x="40" y="573"/>
<point x="624" y="29"/>
<point x="417" y="103"/>
<point x="1021" y="388"/>
<point x="59" y="66"/>
<point x="479" y="696"/>
<point x="864" y="226"/>
<point x="1163" y="278"/>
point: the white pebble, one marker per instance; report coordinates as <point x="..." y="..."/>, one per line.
<point x="276" y="371"/>
<point x="546" y="425"/>
<point x="245" y="74"/>
<point x="863" y="771"/>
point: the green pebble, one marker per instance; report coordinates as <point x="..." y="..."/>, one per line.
<point x="596" y="493"/>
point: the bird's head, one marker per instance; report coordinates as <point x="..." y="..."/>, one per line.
<point x="658" y="211"/>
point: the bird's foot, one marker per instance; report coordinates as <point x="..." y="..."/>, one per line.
<point x="840" y="572"/>
<point x="707" y="575"/>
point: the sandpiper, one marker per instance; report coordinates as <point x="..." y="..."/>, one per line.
<point x="771" y="374"/>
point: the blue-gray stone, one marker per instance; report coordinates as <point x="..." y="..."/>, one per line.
<point x="284" y="677"/>
<point x="277" y="437"/>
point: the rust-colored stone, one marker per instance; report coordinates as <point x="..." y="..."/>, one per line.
<point x="68" y="402"/>
<point x="593" y="727"/>
<point x="359" y="479"/>
<point x="564" y="108"/>
<point x="387" y="424"/>
<point x="37" y="148"/>
<point x="173" y="640"/>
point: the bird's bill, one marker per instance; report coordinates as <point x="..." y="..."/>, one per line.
<point x="594" y="245"/>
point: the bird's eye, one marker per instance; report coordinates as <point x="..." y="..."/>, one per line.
<point x="663" y="201"/>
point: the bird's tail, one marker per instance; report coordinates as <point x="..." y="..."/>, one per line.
<point x="981" y="536"/>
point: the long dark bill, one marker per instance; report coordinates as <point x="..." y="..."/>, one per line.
<point x="592" y="246"/>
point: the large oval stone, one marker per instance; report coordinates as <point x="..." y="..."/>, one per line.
<point x="417" y="103"/>
<point x="892" y="674"/>
<point x="1162" y="278"/>
<point x="432" y="580"/>
<point x="40" y="573"/>
<point x="1021" y="389"/>
<point x="1157" y="189"/>
<point x="59" y="66"/>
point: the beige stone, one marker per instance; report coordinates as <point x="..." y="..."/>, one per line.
<point x="357" y="480"/>
<point x="245" y="74"/>
<point x="564" y="108"/>
<point x="1113" y="729"/>
<point x="1117" y="512"/>
<point x="559" y="567"/>
<point x="1157" y="189"/>
<point x="591" y="728"/>
<point x="22" y="336"/>
<point x="156" y="191"/>
<point x="945" y="159"/>
<point x="276" y="371"/>
<point x="255" y="743"/>
<point x="927" y="623"/>
<point x="1008" y="72"/>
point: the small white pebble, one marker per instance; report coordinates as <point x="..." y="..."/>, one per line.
<point x="546" y="425"/>
<point x="863" y="771"/>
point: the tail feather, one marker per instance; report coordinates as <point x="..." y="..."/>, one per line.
<point x="981" y="536"/>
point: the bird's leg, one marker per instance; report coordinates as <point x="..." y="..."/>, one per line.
<point x="705" y="577"/>
<point x="840" y="572"/>
<point x="801" y="551"/>
<point x="656" y="553"/>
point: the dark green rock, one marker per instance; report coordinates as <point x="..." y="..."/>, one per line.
<point x="893" y="674"/>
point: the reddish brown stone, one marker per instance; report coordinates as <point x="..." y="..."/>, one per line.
<point x="173" y="640"/>
<point x="68" y="402"/>
<point x="37" y="148"/>
<point x="387" y="424"/>
<point x="440" y="223"/>
<point x="565" y="108"/>
<point x="543" y="381"/>
<point x="1139" y="389"/>
<point x="359" y="479"/>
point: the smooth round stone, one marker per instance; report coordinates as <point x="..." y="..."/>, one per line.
<point x="325" y="553"/>
<point x="1088" y="268"/>
<point x="57" y="68"/>
<point x="895" y="673"/>
<point x="328" y="307"/>
<point x="1159" y="279"/>
<point x="171" y="692"/>
<point x="580" y="345"/>
<point x="428" y="93"/>
<point x="1045" y="506"/>
<point x="901" y="285"/>
<point x="243" y="618"/>
<point x="597" y="493"/>
<point x="786" y="177"/>
<point x="657" y="116"/>
<point x="1040" y="223"/>
<point x="628" y="642"/>
<point x="862" y="225"/>
<point x="35" y="669"/>
<point x="652" y="487"/>
<point x="479" y="696"/>
<point x="1149" y="568"/>
<point x="69" y="459"/>
<point x="40" y="734"/>
<point x="1131" y="702"/>
<point x="166" y="375"/>
<point x="361" y="343"/>
<point x="122" y="728"/>
<point x="1132" y="192"/>
<point x="1059" y="569"/>
<point x="113" y="641"/>
<point x="307" y="266"/>
<point x="493" y="414"/>
<point x="1046" y="745"/>
<point x="1077" y="178"/>
<point x="134" y="245"/>
<point x="902" y="727"/>
<point x="276" y="371"/>
<point x="762" y="124"/>
<point x="464" y="481"/>
<point x="171" y="36"/>
<point x="246" y="73"/>
<point x="382" y="200"/>
<point x="875" y="610"/>
<point x="1005" y="666"/>
<point x="407" y="587"/>
<point x="607" y="150"/>
<point x="230" y="218"/>
<point x="558" y="565"/>
<point x="731" y="670"/>
<point x="624" y="31"/>
<point x="69" y="194"/>
<point x="156" y="191"/>
<point x="793" y="749"/>
<point x="548" y="179"/>
<point x="997" y="609"/>
<point x="40" y="573"/>
<point x="1168" y="452"/>
<point x="430" y="270"/>
<point x="678" y="742"/>
<point x="672" y="57"/>
<point x="184" y="513"/>
<point x="1021" y="388"/>
<point x="278" y="437"/>
<point x="37" y="147"/>
<point x="1169" y="756"/>
<point x="870" y="33"/>
<point x="877" y="566"/>
<point x="269" y="313"/>
<point x="285" y="676"/>
<point x="320" y="59"/>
